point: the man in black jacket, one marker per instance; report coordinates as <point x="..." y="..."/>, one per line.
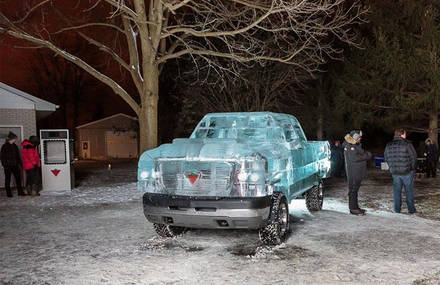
<point x="356" y="168"/>
<point x="11" y="162"/>
<point x="401" y="158"/>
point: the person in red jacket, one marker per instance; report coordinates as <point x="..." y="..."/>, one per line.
<point x="31" y="164"/>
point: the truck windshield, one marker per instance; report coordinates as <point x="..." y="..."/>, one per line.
<point x="257" y="127"/>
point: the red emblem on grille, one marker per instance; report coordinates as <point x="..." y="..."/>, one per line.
<point x="193" y="177"/>
<point x="56" y="172"/>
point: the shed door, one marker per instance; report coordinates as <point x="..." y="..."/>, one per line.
<point x="121" y="144"/>
<point x="4" y="131"/>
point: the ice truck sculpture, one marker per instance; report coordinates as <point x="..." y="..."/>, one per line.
<point x="237" y="170"/>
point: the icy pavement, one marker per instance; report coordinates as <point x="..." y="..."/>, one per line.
<point x="98" y="235"/>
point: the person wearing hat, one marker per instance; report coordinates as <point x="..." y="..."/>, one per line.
<point x="402" y="158"/>
<point x="11" y="162"/>
<point x="356" y="168"/>
<point x="31" y="165"/>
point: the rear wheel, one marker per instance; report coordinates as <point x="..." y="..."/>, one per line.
<point x="167" y="230"/>
<point x="315" y="198"/>
<point x="278" y="228"/>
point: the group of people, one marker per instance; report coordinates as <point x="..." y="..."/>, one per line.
<point x="13" y="163"/>
<point x="401" y="158"/>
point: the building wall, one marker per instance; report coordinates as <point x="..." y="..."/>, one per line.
<point x="95" y="133"/>
<point x="21" y="117"/>
<point x="96" y="139"/>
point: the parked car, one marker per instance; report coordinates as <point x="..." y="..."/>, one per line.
<point x="236" y="171"/>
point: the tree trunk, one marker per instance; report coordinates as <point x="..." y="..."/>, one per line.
<point x="148" y="120"/>
<point x="433" y="126"/>
<point x="320" y="128"/>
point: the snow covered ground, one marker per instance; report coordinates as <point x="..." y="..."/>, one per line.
<point x="97" y="235"/>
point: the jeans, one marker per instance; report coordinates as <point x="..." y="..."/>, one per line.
<point x="406" y="181"/>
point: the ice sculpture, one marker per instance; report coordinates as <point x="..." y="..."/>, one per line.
<point x="231" y="158"/>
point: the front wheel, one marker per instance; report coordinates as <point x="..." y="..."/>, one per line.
<point x="315" y="198"/>
<point x="167" y="230"/>
<point x="278" y="228"/>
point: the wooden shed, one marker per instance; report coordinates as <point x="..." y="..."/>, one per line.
<point x="112" y="137"/>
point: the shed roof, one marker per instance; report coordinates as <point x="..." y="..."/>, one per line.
<point x="97" y="122"/>
<point x="12" y="98"/>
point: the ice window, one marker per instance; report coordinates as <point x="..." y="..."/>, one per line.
<point x="259" y="127"/>
<point x="55" y="152"/>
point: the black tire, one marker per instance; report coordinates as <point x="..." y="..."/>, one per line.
<point x="315" y="198"/>
<point x="167" y="230"/>
<point x="278" y="228"/>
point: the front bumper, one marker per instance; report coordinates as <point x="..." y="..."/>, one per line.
<point x="207" y="212"/>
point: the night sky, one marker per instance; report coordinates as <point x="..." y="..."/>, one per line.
<point x="23" y="68"/>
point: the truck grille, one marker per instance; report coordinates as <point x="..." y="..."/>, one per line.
<point x="196" y="178"/>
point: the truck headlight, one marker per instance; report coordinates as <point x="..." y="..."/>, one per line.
<point x="144" y="175"/>
<point x="242" y="176"/>
<point x="255" y="177"/>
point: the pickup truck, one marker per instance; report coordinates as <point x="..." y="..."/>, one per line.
<point x="236" y="171"/>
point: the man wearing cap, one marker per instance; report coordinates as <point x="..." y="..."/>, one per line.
<point x="402" y="158"/>
<point x="356" y="168"/>
<point x="11" y="162"/>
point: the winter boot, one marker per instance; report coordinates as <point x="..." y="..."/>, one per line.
<point x="357" y="212"/>
<point x="35" y="189"/>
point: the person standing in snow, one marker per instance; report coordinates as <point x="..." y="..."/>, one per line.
<point x="336" y="159"/>
<point x="11" y="162"/>
<point x="356" y="168"/>
<point x="31" y="164"/>
<point x="431" y="154"/>
<point x="402" y="158"/>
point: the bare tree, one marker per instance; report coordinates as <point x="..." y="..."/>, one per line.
<point x="295" y="32"/>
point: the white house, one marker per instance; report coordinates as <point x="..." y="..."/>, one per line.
<point x="19" y="112"/>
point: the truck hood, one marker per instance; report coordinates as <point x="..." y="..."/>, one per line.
<point x="195" y="149"/>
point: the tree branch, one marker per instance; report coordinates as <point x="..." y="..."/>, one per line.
<point x="222" y="33"/>
<point x="79" y="62"/>
<point x="119" y="5"/>
<point x="88" y="25"/>
<point x="31" y="10"/>
<point x="133" y="53"/>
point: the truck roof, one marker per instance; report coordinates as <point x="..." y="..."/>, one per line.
<point x="275" y="116"/>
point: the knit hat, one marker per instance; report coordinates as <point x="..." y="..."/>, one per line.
<point x="355" y="134"/>
<point x="12" y="136"/>
<point x="34" y="140"/>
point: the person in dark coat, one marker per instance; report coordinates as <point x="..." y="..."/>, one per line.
<point x="336" y="159"/>
<point x="402" y="158"/>
<point x="31" y="164"/>
<point x="11" y="162"/>
<point x="431" y="154"/>
<point x="356" y="168"/>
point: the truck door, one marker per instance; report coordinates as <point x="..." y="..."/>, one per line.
<point x="296" y="160"/>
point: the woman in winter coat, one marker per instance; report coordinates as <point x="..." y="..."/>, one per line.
<point x="31" y="164"/>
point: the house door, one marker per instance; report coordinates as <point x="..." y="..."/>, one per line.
<point x="4" y="131"/>
<point x="85" y="149"/>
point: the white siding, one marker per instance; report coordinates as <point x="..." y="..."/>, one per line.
<point x="9" y="100"/>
